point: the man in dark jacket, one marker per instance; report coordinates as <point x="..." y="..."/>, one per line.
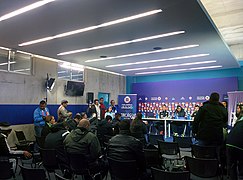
<point x="82" y="141"/>
<point x="54" y="140"/>
<point x="126" y="147"/>
<point x="234" y="144"/>
<point x="208" y="125"/>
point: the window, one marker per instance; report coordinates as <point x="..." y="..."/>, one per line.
<point x="70" y="71"/>
<point x="4" y="59"/>
<point x="20" y="62"/>
<point x="14" y="61"/>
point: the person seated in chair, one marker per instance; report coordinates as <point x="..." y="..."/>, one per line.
<point x="6" y="151"/>
<point x="54" y="140"/>
<point x="138" y="128"/>
<point x="126" y="147"/>
<point x="82" y="141"/>
<point x="178" y="127"/>
<point x="105" y="128"/>
<point x="49" y="121"/>
<point x="72" y="123"/>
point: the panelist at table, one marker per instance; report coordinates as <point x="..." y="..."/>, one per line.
<point x="177" y="126"/>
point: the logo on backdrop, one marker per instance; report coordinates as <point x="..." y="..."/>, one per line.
<point x="127" y="99"/>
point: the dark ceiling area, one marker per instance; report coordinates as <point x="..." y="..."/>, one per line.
<point x="199" y="47"/>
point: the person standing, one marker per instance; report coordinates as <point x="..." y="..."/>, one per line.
<point x="102" y="108"/>
<point x="208" y="125"/>
<point x="113" y="106"/>
<point x="40" y="115"/>
<point x="62" y="112"/>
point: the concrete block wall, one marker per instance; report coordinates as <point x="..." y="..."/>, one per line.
<point x="30" y="89"/>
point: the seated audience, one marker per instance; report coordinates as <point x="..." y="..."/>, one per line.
<point x="49" y="121"/>
<point x="126" y="147"/>
<point x="115" y="123"/>
<point x="105" y="128"/>
<point x="82" y="141"/>
<point x="72" y="123"/>
<point x="234" y="144"/>
<point x="54" y="140"/>
<point x="138" y="128"/>
<point x="109" y="113"/>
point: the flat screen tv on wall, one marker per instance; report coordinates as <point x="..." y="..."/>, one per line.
<point x="74" y="88"/>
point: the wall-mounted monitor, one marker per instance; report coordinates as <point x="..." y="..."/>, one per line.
<point x="50" y="83"/>
<point x="74" y="88"/>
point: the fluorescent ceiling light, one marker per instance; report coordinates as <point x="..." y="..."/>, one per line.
<point x="171" y="65"/>
<point x="159" y="60"/>
<point x="121" y="43"/>
<point x="206" y="67"/>
<point x="92" y="27"/>
<point x="6" y="63"/>
<point x="144" y="53"/>
<point x="176" y="70"/>
<point x="101" y="70"/>
<point x="25" y="9"/>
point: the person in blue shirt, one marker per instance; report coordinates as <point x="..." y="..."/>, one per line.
<point x="40" y="114"/>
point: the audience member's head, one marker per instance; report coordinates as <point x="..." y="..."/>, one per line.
<point x="109" y="109"/>
<point x="42" y="104"/>
<point x="84" y="123"/>
<point x="58" y="126"/>
<point x="118" y="116"/>
<point x="108" y="118"/>
<point x="214" y="97"/>
<point x="84" y="115"/>
<point x="50" y="119"/>
<point x="77" y="117"/>
<point x="139" y="116"/>
<point x="225" y="104"/>
<point x="239" y="109"/>
<point x="124" y="125"/>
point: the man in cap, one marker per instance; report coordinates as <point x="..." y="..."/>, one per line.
<point x="62" y="112"/>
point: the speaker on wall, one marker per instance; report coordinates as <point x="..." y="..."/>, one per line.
<point x="90" y="97"/>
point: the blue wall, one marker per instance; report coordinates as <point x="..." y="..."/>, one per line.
<point x="236" y="72"/>
<point x="23" y="114"/>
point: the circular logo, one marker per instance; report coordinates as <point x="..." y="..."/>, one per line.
<point x="127" y="99"/>
<point x="207" y="98"/>
<point x="159" y="98"/>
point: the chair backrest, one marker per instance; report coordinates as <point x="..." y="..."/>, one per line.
<point x="78" y="163"/>
<point x="204" y="168"/>
<point x="154" y="137"/>
<point x="59" y="177"/>
<point x="208" y="152"/>
<point x="159" y="174"/>
<point x="49" y="159"/>
<point x="32" y="173"/>
<point x="123" y="169"/>
<point x="20" y="136"/>
<point x="6" y="169"/>
<point x="183" y="142"/>
<point x="169" y="148"/>
<point x="151" y="157"/>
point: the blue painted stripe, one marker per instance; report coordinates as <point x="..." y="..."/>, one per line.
<point x="23" y="114"/>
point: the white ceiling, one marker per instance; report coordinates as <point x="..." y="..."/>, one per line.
<point x="181" y="15"/>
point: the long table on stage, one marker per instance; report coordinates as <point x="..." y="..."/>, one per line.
<point x="165" y="123"/>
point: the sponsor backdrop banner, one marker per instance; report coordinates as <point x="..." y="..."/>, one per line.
<point x="127" y="105"/>
<point x="187" y="93"/>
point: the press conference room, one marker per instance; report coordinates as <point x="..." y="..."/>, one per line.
<point x="119" y="89"/>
